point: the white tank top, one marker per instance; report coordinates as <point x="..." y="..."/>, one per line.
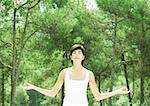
<point x="75" y="90"/>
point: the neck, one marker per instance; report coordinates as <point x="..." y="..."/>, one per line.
<point x="77" y="67"/>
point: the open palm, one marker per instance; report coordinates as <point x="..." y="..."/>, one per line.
<point x="123" y="90"/>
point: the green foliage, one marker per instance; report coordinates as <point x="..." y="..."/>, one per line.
<point x="122" y="101"/>
<point x="59" y="3"/>
<point x="21" y="98"/>
<point x="51" y="28"/>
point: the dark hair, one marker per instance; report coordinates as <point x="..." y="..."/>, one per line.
<point x="75" y="47"/>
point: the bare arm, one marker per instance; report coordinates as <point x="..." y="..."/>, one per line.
<point x="53" y="91"/>
<point x="98" y="96"/>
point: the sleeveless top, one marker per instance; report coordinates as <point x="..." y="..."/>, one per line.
<point x="75" y="90"/>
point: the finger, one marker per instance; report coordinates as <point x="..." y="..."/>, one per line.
<point x="129" y="91"/>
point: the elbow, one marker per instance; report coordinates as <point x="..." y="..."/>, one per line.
<point x="52" y="94"/>
<point x="97" y="98"/>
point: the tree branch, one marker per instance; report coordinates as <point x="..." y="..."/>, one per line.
<point x="4" y="43"/>
<point x="29" y="38"/>
<point x="22" y="5"/>
<point x="35" y="4"/>
<point x="5" y="65"/>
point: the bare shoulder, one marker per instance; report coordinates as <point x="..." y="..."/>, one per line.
<point x="63" y="72"/>
<point x="91" y="73"/>
<point x="91" y="76"/>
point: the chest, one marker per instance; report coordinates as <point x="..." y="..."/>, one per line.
<point x="77" y="75"/>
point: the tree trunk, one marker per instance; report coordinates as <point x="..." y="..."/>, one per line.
<point x="133" y="76"/>
<point x="126" y="76"/>
<point x="13" y="72"/>
<point x="111" y="85"/>
<point x="22" y="45"/>
<point x="141" y="85"/>
<point x="142" y="51"/>
<point x="114" y="58"/>
<point x="99" y="86"/>
<point x="3" y="89"/>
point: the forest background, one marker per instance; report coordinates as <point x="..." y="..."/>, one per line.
<point x="36" y="35"/>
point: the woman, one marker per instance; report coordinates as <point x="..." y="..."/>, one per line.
<point x="76" y="80"/>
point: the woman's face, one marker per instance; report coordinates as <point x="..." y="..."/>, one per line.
<point x="77" y="56"/>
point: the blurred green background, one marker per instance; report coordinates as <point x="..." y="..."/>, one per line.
<point x="36" y="35"/>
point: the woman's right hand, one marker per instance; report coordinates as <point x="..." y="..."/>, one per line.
<point x="28" y="86"/>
